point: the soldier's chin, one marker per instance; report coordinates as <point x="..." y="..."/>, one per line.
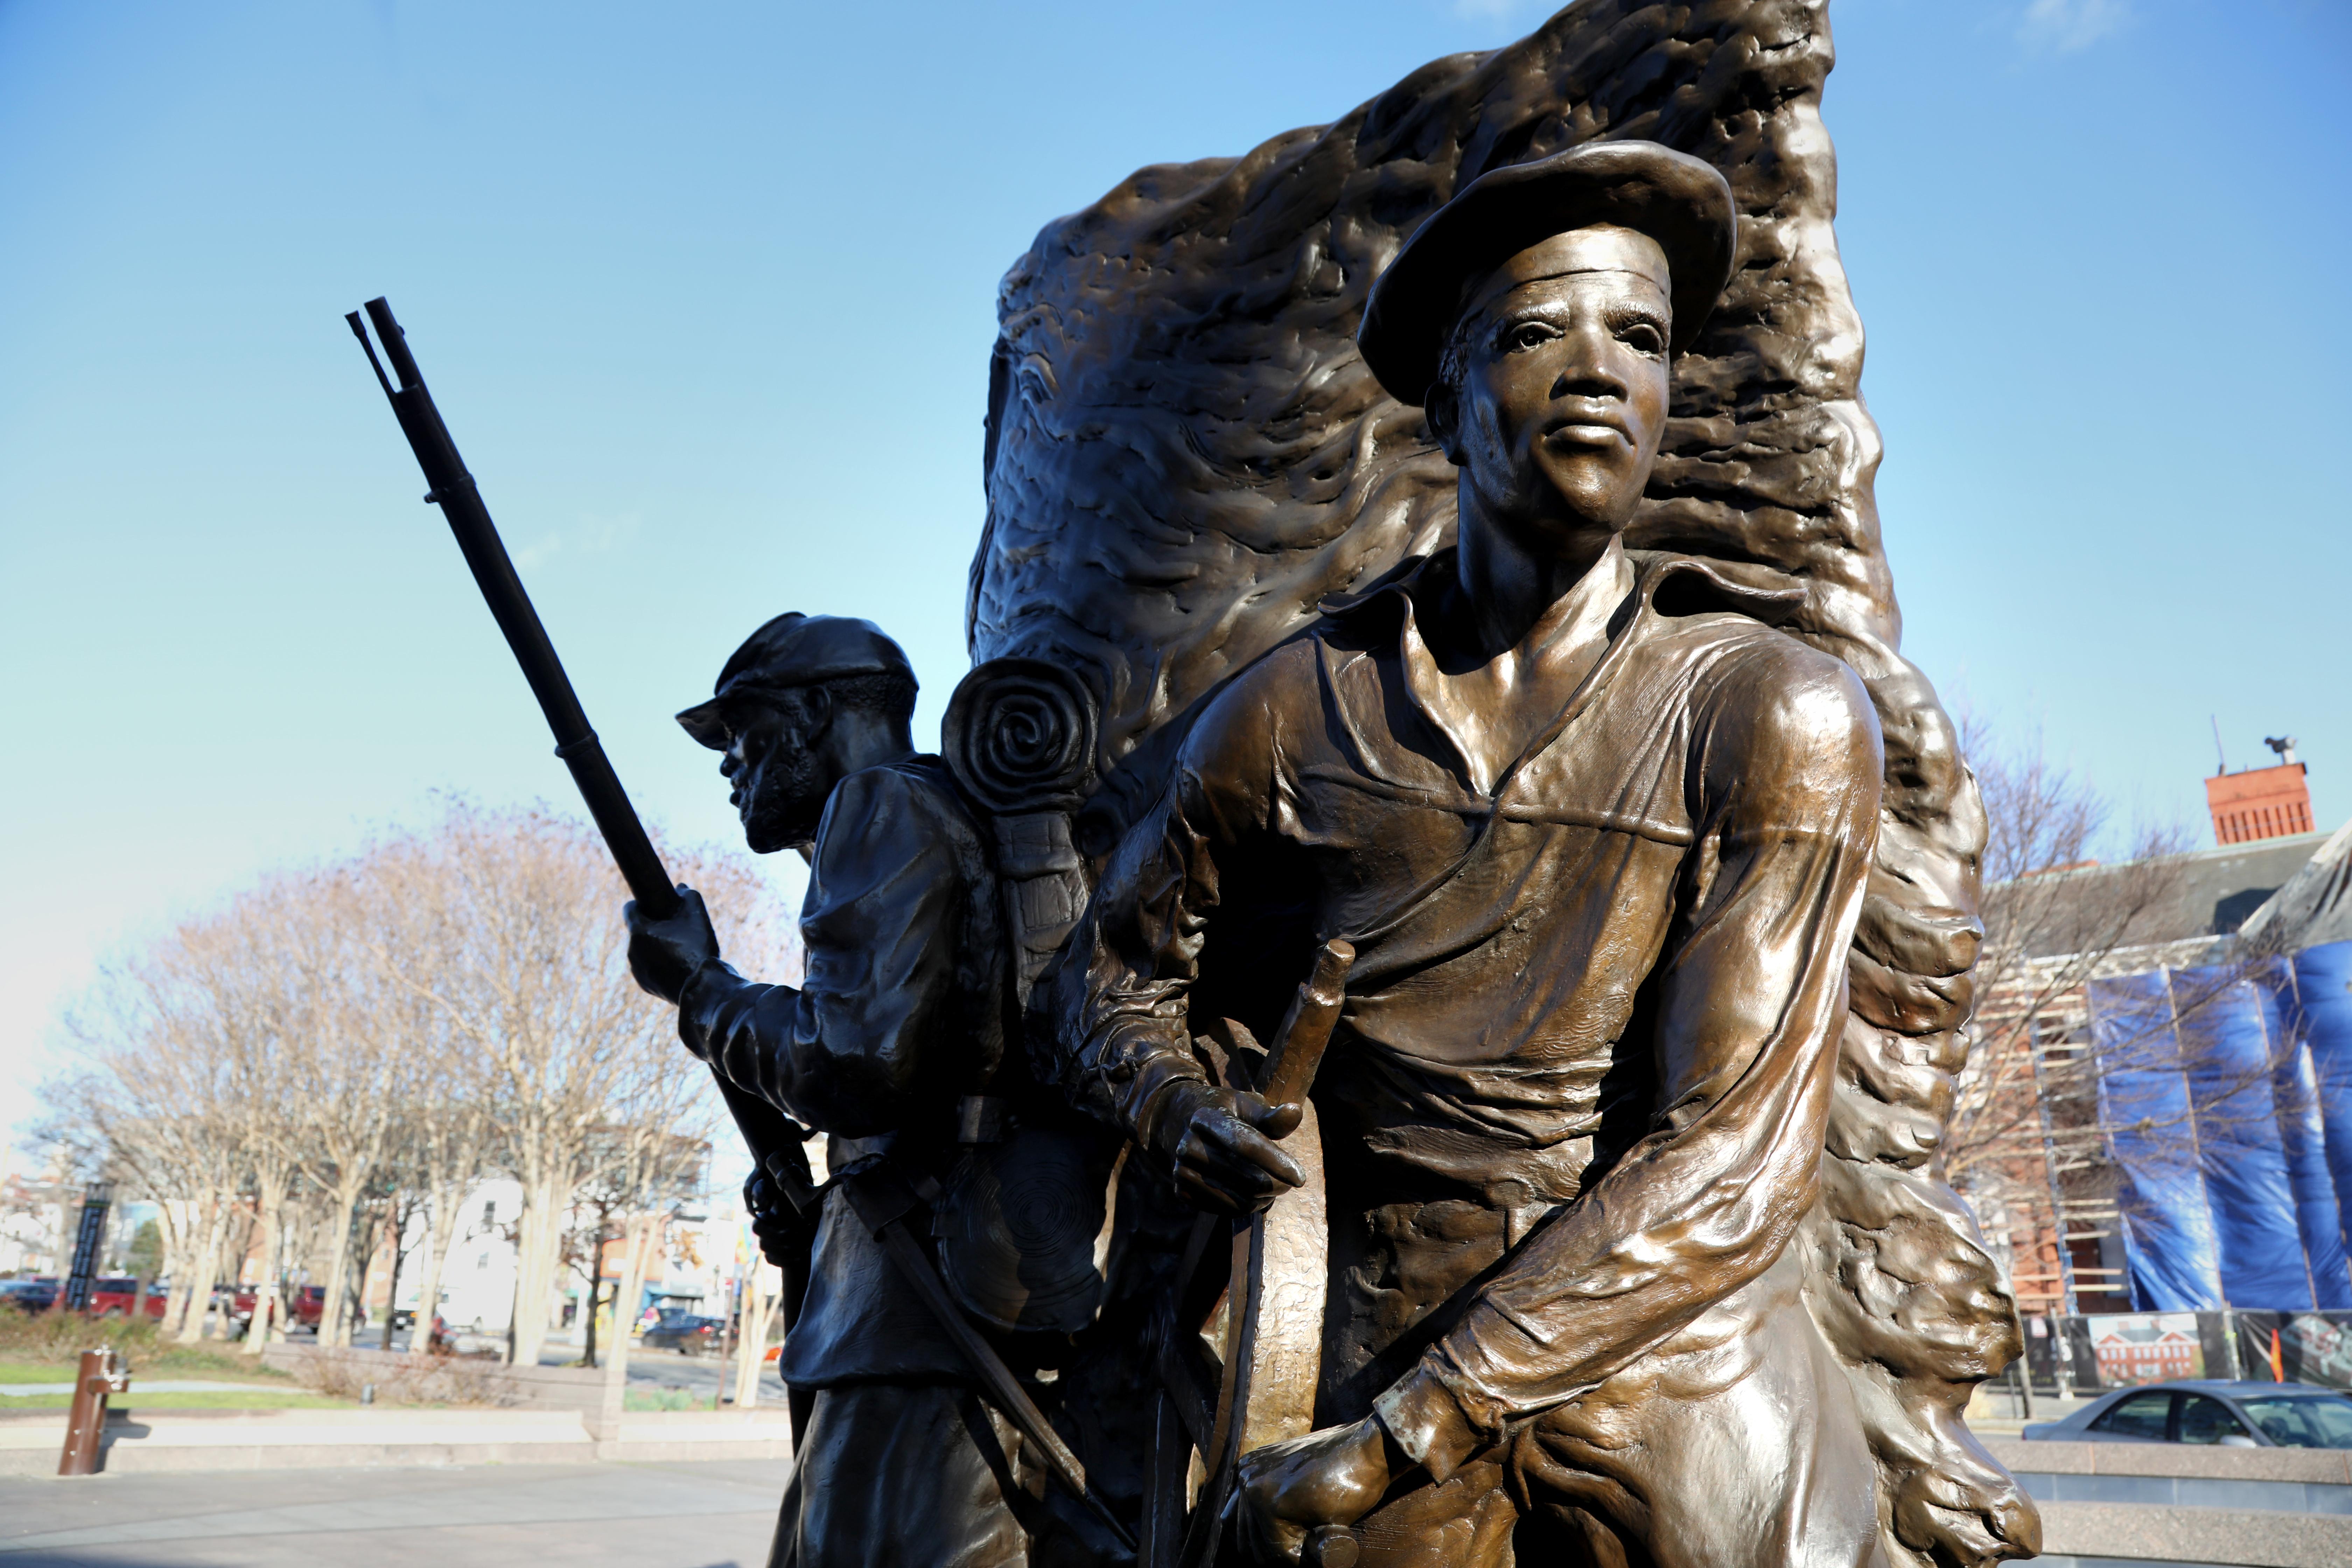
<point x="765" y="833"/>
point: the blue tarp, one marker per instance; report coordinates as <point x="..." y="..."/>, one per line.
<point x="2322" y="1218"/>
<point x="2169" y="1245"/>
<point x="2227" y="1094"/>
<point x="2322" y="1019"/>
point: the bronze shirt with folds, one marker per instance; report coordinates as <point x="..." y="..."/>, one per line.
<point x="1576" y="1092"/>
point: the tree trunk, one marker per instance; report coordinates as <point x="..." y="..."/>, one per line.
<point x="440" y="1231"/>
<point x="759" y="1300"/>
<point x="636" y="1255"/>
<point x="333" y="1326"/>
<point x="269" y="1196"/>
<point x="179" y="1265"/>
<point x="539" y="1236"/>
<point x="202" y="1272"/>
<point x="392" y="1286"/>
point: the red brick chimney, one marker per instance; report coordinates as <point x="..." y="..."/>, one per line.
<point x="2261" y="803"/>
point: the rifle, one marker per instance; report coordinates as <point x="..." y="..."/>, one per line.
<point x="1215" y="1423"/>
<point x="773" y="1138"/>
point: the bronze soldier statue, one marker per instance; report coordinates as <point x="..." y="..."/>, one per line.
<point x="895" y="1046"/>
<point x="1599" y="836"/>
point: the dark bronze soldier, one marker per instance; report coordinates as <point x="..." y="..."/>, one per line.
<point x="898" y="1029"/>
<point x="1598" y="835"/>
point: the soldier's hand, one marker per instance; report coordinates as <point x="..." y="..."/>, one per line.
<point x="1334" y="1476"/>
<point x="662" y="954"/>
<point x="773" y="1220"/>
<point x="1220" y="1145"/>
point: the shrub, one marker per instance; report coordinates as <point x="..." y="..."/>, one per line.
<point x="402" y="1379"/>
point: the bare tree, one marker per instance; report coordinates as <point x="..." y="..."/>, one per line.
<point x="165" y="1083"/>
<point x="342" y="1047"/>
<point x="649" y="1159"/>
<point x="444" y="1139"/>
<point x="539" y="988"/>
<point x="337" y="1078"/>
<point x="2053" y="918"/>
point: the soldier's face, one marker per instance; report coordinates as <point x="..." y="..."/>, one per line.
<point x="1561" y="400"/>
<point x="776" y="780"/>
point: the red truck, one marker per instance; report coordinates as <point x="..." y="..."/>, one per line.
<point x="303" y="1305"/>
<point x="112" y="1297"/>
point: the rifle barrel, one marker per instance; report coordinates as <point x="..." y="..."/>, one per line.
<point x="765" y="1127"/>
<point x="460" y="501"/>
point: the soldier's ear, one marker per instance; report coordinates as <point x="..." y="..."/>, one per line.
<point x="816" y="711"/>
<point x="1441" y="410"/>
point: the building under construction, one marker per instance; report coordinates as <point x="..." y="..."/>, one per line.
<point x="2157" y="1115"/>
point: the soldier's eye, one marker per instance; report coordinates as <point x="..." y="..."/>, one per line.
<point x="1528" y="335"/>
<point x="1644" y="337"/>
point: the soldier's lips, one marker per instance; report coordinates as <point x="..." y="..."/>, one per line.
<point x="1585" y="430"/>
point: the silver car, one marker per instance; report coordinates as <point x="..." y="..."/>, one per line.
<point x="2212" y="1411"/>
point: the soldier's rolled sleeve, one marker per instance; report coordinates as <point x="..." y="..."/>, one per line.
<point x="1427" y="1417"/>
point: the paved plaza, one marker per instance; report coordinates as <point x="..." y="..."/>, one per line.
<point x="709" y="1515"/>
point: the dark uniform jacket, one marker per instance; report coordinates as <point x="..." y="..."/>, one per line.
<point x="902" y="1014"/>
<point x="1578" y="1091"/>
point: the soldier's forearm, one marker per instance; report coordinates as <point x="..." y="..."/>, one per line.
<point x="1125" y="1072"/>
<point x="718" y="1015"/>
<point x="1686" y="1220"/>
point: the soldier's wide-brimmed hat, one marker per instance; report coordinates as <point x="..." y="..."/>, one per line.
<point x="1677" y="200"/>
<point x="793" y="649"/>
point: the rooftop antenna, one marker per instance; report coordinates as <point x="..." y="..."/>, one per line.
<point x="2221" y="756"/>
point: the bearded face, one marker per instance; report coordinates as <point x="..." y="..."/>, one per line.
<point x="777" y="781"/>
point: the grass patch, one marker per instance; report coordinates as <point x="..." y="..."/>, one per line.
<point x="50" y="1357"/>
<point x="258" y="1399"/>
<point x="664" y="1399"/>
<point x="44" y="1348"/>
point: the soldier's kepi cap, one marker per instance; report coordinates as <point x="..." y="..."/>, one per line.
<point x="793" y="649"/>
<point x="1675" y="199"/>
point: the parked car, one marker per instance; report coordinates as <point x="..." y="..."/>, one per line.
<point x="686" y="1331"/>
<point x="28" y="1295"/>
<point x="111" y="1297"/>
<point x="2209" y="1411"/>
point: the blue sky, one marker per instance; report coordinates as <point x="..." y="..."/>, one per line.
<point x="707" y="294"/>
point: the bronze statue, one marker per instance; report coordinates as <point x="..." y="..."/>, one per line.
<point x="1191" y="467"/>
<point x="1597" y="835"/>
<point x="894" y="1045"/>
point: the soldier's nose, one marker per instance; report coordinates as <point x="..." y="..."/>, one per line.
<point x="1584" y="380"/>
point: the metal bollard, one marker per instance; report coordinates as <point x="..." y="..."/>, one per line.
<point x="102" y="1373"/>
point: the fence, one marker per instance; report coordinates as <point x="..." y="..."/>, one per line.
<point x="2120" y="1350"/>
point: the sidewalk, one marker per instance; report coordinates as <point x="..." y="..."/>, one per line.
<point x="644" y="1516"/>
<point x="149" y="1443"/>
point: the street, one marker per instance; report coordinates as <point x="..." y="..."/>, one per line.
<point x="708" y="1515"/>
